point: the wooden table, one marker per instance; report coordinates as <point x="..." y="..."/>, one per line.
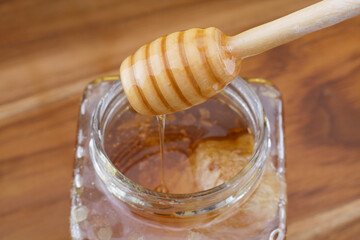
<point x="51" y="49"/>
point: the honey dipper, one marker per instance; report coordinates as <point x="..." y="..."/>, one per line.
<point x="183" y="69"/>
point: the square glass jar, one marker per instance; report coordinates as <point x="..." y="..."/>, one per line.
<point x="106" y="205"/>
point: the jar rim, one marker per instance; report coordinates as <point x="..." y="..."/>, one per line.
<point x="124" y="188"/>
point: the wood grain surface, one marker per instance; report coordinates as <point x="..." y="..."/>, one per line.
<point x="51" y="49"/>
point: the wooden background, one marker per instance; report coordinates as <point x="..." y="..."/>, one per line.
<point x="49" y="50"/>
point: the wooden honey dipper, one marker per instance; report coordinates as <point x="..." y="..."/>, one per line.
<point x="183" y="69"/>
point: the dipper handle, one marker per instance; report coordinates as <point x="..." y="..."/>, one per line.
<point x="283" y="30"/>
<point x="183" y="69"/>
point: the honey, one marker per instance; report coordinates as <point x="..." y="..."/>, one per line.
<point x="204" y="147"/>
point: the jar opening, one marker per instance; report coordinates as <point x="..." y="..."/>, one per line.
<point x="237" y="95"/>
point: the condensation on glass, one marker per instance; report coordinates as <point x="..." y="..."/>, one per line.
<point x="250" y="205"/>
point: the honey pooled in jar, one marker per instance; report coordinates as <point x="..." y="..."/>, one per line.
<point x="203" y="147"/>
<point x="216" y="160"/>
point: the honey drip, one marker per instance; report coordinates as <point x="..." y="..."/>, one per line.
<point x="161" y="119"/>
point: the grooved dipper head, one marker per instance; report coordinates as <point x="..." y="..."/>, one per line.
<point x="178" y="71"/>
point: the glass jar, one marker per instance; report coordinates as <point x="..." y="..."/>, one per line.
<point x="251" y="205"/>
